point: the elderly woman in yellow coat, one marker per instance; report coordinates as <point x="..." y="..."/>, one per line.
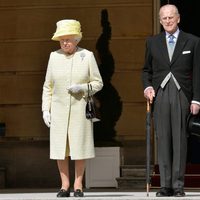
<point x="65" y="90"/>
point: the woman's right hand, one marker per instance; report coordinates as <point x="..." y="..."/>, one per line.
<point x="47" y="118"/>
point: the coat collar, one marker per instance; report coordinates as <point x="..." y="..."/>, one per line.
<point x="181" y="41"/>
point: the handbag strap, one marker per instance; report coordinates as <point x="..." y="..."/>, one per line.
<point x="89" y="90"/>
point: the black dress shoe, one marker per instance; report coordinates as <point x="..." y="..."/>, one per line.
<point x="179" y="192"/>
<point x="63" y="193"/>
<point x="165" y="192"/>
<point x="78" y="193"/>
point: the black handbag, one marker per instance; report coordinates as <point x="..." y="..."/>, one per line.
<point x="91" y="111"/>
<point x="193" y="124"/>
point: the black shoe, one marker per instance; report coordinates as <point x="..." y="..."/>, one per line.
<point x="165" y="192"/>
<point x="78" y="193"/>
<point x="179" y="192"/>
<point x="63" y="193"/>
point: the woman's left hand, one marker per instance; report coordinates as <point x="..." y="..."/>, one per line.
<point x="75" y="88"/>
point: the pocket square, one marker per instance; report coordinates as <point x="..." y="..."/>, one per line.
<point x="186" y="52"/>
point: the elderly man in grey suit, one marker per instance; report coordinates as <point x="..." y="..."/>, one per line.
<point x="171" y="80"/>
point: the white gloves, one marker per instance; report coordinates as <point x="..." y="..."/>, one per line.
<point x="75" y="88"/>
<point x="47" y="118"/>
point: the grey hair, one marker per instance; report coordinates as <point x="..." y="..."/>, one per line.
<point x="172" y="6"/>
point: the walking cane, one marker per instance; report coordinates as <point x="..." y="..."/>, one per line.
<point x="148" y="144"/>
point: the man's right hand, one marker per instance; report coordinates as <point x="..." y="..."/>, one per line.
<point x="47" y="118"/>
<point x="149" y="93"/>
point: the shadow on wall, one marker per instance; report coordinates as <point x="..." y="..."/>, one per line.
<point x="110" y="103"/>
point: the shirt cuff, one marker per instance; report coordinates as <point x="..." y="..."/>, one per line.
<point x="196" y="102"/>
<point x="147" y="88"/>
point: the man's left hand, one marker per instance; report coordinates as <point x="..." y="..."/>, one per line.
<point x="194" y="108"/>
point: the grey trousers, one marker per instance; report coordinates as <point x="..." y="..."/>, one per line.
<point x="171" y="109"/>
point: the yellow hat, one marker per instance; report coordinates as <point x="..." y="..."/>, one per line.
<point x="67" y="27"/>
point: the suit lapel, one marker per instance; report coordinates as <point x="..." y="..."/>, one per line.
<point x="179" y="46"/>
<point x="163" y="47"/>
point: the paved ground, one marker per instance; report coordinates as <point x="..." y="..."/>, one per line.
<point x="90" y="195"/>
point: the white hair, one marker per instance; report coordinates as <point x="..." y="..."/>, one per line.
<point x="170" y="6"/>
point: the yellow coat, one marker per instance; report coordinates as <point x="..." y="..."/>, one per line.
<point x="68" y="121"/>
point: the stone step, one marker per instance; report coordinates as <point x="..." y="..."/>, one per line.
<point x="131" y="182"/>
<point x="134" y="171"/>
<point x="133" y="176"/>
